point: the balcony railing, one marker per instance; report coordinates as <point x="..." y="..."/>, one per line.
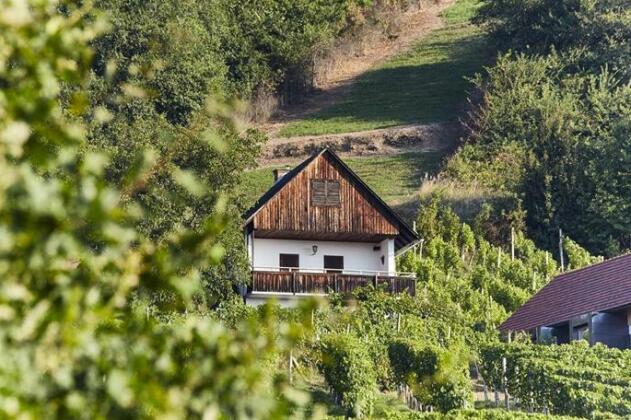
<point x="279" y="280"/>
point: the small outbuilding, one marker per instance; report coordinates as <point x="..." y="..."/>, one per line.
<point x="591" y="303"/>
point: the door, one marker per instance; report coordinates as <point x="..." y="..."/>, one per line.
<point x="333" y="263"/>
<point x="289" y="262"/>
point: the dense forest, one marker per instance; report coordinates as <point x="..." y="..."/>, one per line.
<point x="551" y="130"/>
<point x="125" y="128"/>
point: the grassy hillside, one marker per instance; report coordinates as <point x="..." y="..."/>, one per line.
<point x="426" y="84"/>
<point x="395" y="178"/>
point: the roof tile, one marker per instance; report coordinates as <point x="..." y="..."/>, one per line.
<point x="599" y="287"/>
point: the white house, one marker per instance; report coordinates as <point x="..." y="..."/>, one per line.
<point x="320" y="228"/>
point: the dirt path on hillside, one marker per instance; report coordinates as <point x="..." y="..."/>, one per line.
<point x="436" y="137"/>
<point x="413" y="26"/>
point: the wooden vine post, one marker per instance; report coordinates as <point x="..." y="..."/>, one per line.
<point x="561" y="250"/>
<point x="291" y="367"/>
<point x="505" y="384"/>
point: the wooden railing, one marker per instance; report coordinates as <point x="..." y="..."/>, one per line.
<point x="324" y="283"/>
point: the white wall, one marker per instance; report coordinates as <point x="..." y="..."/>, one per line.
<point x="387" y="249"/>
<point x="357" y="255"/>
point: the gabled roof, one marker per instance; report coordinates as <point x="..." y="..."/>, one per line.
<point x="599" y="287"/>
<point x="278" y="185"/>
<point x="406" y="234"/>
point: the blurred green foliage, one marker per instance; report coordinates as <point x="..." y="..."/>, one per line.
<point x="348" y="370"/>
<point x="439" y="377"/>
<point x="77" y="338"/>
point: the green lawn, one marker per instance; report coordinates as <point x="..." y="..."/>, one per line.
<point x="426" y="84"/>
<point x="395" y="178"/>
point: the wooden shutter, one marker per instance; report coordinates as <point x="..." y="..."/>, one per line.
<point x="332" y="193"/>
<point x="325" y="192"/>
<point x="318" y="192"/>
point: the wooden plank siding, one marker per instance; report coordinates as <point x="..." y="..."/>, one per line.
<point x="291" y="209"/>
<point x="324" y="283"/>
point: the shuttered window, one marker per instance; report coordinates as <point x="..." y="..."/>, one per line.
<point x="333" y="263"/>
<point x="325" y="192"/>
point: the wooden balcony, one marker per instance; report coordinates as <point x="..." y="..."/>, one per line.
<point x="321" y="283"/>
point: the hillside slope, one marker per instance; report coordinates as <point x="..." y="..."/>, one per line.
<point x="401" y="116"/>
<point x="426" y="84"/>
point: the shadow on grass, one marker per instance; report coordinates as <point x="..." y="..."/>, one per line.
<point x="408" y="210"/>
<point x="412" y="93"/>
<point x="320" y="397"/>
<point x="427" y="84"/>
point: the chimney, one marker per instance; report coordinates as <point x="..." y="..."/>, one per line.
<point x="279" y="173"/>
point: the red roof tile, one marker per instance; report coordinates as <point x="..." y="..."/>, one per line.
<point x="599" y="287"/>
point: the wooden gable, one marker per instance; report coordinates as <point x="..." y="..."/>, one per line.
<point x="322" y="201"/>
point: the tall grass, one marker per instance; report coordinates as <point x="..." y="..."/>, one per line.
<point x="465" y="200"/>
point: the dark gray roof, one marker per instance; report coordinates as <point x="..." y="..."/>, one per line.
<point x="599" y="287"/>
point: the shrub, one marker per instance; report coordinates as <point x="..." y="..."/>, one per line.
<point x="557" y="141"/>
<point x="348" y="370"/>
<point x="591" y="33"/>
<point x="411" y="361"/>
<point x="570" y="379"/>
<point x="233" y="310"/>
<point x="487" y="414"/>
<point x="437" y="376"/>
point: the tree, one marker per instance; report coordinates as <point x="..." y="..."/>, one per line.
<point x="153" y="91"/>
<point x="589" y="34"/>
<point x="555" y="142"/>
<point x="72" y="343"/>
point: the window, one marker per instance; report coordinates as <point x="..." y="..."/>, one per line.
<point x="333" y="263"/>
<point x="289" y="262"/>
<point x="581" y="332"/>
<point x="325" y="192"/>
